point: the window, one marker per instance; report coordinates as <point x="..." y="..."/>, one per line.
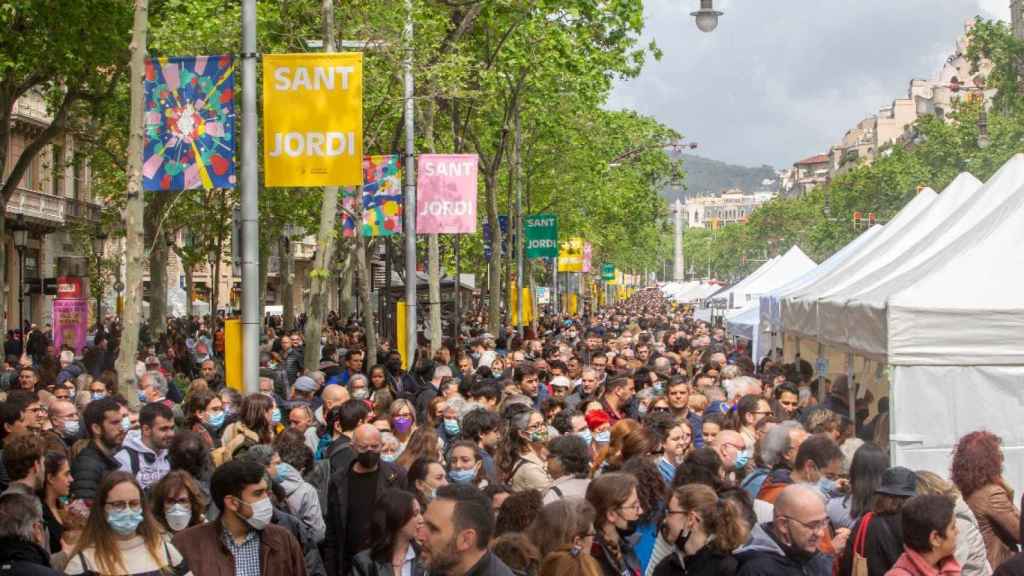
<point x="57" y="181"/>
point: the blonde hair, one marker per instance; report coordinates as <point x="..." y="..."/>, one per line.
<point x="932" y="483"/>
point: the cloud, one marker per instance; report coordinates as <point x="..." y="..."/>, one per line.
<point x="779" y="81"/>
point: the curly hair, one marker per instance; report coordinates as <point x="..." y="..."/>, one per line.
<point x="518" y="511"/>
<point x="977" y="461"/>
<point x="650" y="488"/>
<point x="290" y="445"/>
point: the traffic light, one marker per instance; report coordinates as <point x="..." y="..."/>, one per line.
<point x="871" y="218"/>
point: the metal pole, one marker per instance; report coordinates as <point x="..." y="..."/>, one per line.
<point x="852" y="392"/>
<point x="458" y="289"/>
<point x="21" y="296"/>
<point x="250" y="207"/>
<point x="410" y="192"/>
<point x="554" y="286"/>
<point x="520" y="282"/>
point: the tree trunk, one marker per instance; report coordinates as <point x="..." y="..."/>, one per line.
<point x="347" y="274"/>
<point x="264" y="272"/>
<point x="158" y="284"/>
<point x="190" y="286"/>
<point x="315" y="311"/>
<point x="285" y="274"/>
<point x="494" y="272"/>
<point x="5" y="312"/>
<point x="433" y="246"/>
<point x="133" y="214"/>
<point x="369" y="323"/>
<point x="218" y="257"/>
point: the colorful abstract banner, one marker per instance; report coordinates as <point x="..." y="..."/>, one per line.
<point x="189" y="123"/>
<point x="446" y="194"/>
<point x="70" y="323"/>
<point x="570" y="255"/>
<point x="313" y="119"/>
<point x="382" y="198"/>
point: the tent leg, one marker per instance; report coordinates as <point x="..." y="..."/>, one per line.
<point x="852" y="391"/>
<point x="821" y="376"/>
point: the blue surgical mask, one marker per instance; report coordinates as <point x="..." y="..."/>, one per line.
<point x="451" y="426"/>
<point x="282" y="470"/>
<point x="462" y="476"/>
<point x="72" y="427"/>
<point x="659" y="387"/>
<point x="741" y="459"/>
<point x="586" y="436"/>
<point x="126" y="423"/>
<point x="99" y="395"/>
<point x="603" y="437"/>
<point x="142" y="397"/>
<point x="667" y="469"/>
<point x="275" y="416"/>
<point x="216" y="419"/>
<point x="827" y="486"/>
<point x="389" y="457"/>
<point x="125" y="522"/>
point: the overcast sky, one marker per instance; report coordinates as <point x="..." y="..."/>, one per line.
<point x="780" y="80"/>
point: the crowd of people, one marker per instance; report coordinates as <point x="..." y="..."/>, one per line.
<point x="633" y="441"/>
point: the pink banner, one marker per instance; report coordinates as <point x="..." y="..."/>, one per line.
<point x="588" y="250"/>
<point x="70" y="323"/>
<point x="446" y="194"/>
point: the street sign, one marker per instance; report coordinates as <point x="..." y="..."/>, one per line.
<point x="608" y="272"/>
<point x="541" y="236"/>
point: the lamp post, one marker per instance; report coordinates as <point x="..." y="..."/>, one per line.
<point x="20" y="234"/>
<point x="99" y="241"/>
<point x="707" y="17"/>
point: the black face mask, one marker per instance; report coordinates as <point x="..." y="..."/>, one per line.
<point x="628" y="531"/>
<point x="682" y="539"/>
<point x="368" y="459"/>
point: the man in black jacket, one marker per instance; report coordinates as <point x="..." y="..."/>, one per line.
<point x="22" y="537"/>
<point x="102" y="419"/>
<point x="788" y="545"/>
<point x="352" y="498"/>
<point x="459" y="524"/>
<point x="342" y="421"/>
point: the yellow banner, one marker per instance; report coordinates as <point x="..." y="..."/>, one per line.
<point x="570" y="255"/>
<point x="233" y="355"/>
<point x="313" y="119"/>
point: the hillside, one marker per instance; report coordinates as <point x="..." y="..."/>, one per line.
<point x="710" y="177"/>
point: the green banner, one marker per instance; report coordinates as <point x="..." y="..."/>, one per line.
<point x="608" y="272"/>
<point x="541" y="236"/>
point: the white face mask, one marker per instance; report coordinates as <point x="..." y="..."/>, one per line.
<point x="178" y="516"/>
<point x="262" y="512"/>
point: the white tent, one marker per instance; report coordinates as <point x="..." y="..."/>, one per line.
<point x="693" y="292"/>
<point x="944" y="216"/>
<point x="735" y="296"/>
<point x="800" y="308"/>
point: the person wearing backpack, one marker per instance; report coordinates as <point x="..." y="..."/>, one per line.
<point x="144" y="451"/>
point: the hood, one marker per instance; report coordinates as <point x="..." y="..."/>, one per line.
<point x="761" y="541"/>
<point x="290" y="480"/>
<point x="133" y="440"/>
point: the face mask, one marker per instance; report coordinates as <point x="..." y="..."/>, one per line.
<point x="451" y="426"/>
<point x="178" y="516"/>
<point x="368" y="459"/>
<point x="603" y="437"/>
<point x="586" y="436"/>
<point x="124" y="522"/>
<point x="98" y="395"/>
<point x="389" y="457"/>
<point x="659" y="387"/>
<point x="628" y="531"/>
<point x="275" y="416"/>
<point x="538" y="436"/>
<point x="216" y="419"/>
<point x="462" y="476"/>
<point x="741" y="459"/>
<point x="641" y="409"/>
<point x="262" y="512"/>
<point x="71" y="427"/>
<point x="126" y="423"/>
<point x="667" y="469"/>
<point x="228" y="410"/>
<point x="360" y="393"/>
<point x="684" y="536"/>
<point x="64" y="500"/>
<point x="282" y="470"/>
<point x="142" y="397"/>
<point x="402" y="425"/>
<point x="827" y="486"/>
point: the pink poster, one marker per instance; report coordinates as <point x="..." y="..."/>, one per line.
<point x="446" y="194"/>
<point x="70" y="323"/>
<point x="588" y="250"/>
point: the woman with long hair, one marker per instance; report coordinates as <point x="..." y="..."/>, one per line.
<point x="563" y="533"/>
<point x="704" y="529"/>
<point x="403" y="421"/>
<point x="397" y="519"/>
<point x="608" y="452"/>
<point x="869" y="462"/>
<point x="204" y="415"/>
<point x="465" y="465"/>
<point x="977" y="471"/>
<point x="56" y="488"/>
<point x="970" y="550"/>
<point x="121" y="537"/>
<point x="639" y="442"/>
<point x="381" y="395"/>
<point x="617" y="505"/>
<point x="254" y="426"/>
<point x="425" y="476"/>
<point x="882" y="541"/>
<point x="652" y="491"/>
<point x="177" y="502"/>
<point x="523" y="454"/>
<point x="423" y="443"/>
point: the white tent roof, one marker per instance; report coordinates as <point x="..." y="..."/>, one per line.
<point x="744" y="321"/>
<point x="697" y="291"/>
<point x="771" y="313"/>
<point x="957" y="298"/>
<point x="738" y="290"/>
<point x="788" y="267"/>
<point x="946" y="214"/>
<point x="800" y="309"/>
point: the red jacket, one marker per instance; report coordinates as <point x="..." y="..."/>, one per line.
<point x="911" y="563"/>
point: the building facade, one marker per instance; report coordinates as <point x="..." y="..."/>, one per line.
<point x="732" y="207"/>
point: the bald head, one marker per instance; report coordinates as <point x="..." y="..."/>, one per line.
<point x="366" y="434"/>
<point x="800" y="517"/>
<point x="728" y="444"/>
<point x="334" y="395"/>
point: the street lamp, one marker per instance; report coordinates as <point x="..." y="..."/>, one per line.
<point x="707" y="16"/>
<point x="99" y="241"/>
<point x="20" y="234"/>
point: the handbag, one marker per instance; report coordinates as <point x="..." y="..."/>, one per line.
<point x="859" y="567"/>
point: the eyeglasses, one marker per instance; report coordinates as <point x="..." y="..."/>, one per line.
<point x="122" y="505"/>
<point x="815" y="526"/>
<point x="172" y="501"/>
<point x="635" y="506"/>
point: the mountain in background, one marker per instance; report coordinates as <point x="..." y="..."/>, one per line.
<point x="706" y="177"/>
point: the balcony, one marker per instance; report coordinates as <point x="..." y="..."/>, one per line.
<point x="49" y="210"/>
<point x="31" y="108"/>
